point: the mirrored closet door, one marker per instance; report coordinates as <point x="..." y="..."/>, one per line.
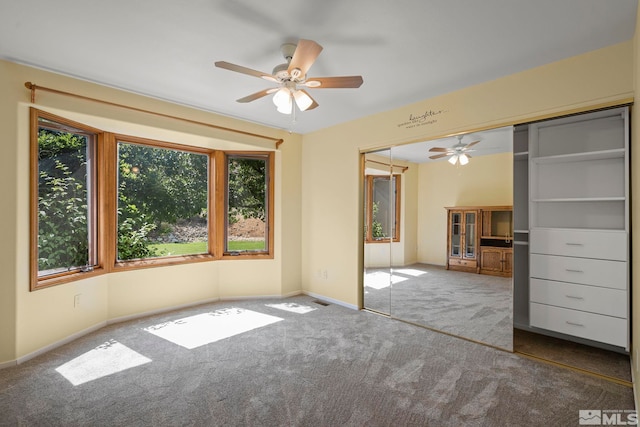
<point x="379" y="228"/>
<point x="439" y="207"/>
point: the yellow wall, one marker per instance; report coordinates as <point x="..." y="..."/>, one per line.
<point x="318" y="189"/>
<point x="484" y="181"/>
<point x="31" y="321"/>
<point x="331" y="214"/>
<point x="8" y="215"/>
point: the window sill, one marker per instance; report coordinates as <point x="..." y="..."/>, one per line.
<point x="59" y="279"/>
<point x="161" y="262"/>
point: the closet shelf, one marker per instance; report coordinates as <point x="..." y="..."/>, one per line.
<point x="579" y="157"/>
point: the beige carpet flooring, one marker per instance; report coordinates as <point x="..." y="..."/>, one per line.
<point x="591" y="359"/>
<point x="292" y="362"/>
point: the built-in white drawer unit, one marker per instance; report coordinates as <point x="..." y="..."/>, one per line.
<point x="595" y="327"/>
<point x="595" y="272"/>
<point x="600" y="244"/>
<point x="594" y="299"/>
<point x="579" y="226"/>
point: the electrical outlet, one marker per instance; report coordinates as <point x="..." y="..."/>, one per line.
<point x="76" y="300"/>
<point x="325" y="275"/>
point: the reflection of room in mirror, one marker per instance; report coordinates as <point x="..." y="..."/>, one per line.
<point x="469" y="305"/>
<point x="406" y="277"/>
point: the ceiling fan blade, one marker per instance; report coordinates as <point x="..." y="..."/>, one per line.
<point x="304" y="56"/>
<point x="439" y="156"/>
<point x="441" y="149"/>
<point x="257" y="95"/>
<point x="334" y="82"/>
<point x="471" y="144"/>
<point x="314" y="104"/>
<point x="243" y="70"/>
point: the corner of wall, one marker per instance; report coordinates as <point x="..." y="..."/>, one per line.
<point x="8" y="216"/>
<point x="635" y="205"/>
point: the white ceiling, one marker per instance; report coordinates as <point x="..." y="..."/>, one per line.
<point x="406" y="50"/>
<point x="493" y="141"/>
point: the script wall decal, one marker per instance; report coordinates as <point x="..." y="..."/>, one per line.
<point x="426" y="118"/>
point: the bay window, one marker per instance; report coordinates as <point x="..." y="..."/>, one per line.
<point x="102" y="202"/>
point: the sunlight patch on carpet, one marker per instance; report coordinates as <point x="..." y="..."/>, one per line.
<point x="201" y="329"/>
<point x="106" y="359"/>
<point x="409" y="272"/>
<point x="292" y="307"/>
<point x="381" y="280"/>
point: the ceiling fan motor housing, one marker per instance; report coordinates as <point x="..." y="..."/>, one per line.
<point x="280" y="72"/>
<point x="288" y="50"/>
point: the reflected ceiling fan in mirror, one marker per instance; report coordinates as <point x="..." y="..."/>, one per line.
<point x="458" y="153"/>
<point x="291" y="78"/>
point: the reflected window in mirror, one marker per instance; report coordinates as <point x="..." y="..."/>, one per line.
<point x="382" y="203"/>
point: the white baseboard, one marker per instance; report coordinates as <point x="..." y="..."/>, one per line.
<point x="57" y="344"/>
<point x="292" y="294"/>
<point x="160" y="311"/>
<point x="250" y="297"/>
<point x="331" y="300"/>
<point x="8" y="364"/>
<point x="121" y="319"/>
<point x="245" y="297"/>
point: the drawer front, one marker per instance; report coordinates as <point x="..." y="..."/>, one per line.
<point x="595" y="272"/>
<point x="463" y="263"/>
<point x="610" y="302"/>
<point x="595" y="327"/>
<point x="580" y="243"/>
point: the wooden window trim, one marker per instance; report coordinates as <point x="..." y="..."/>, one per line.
<point x="123" y="265"/>
<point x="221" y="203"/>
<point x="106" y="194"/>
<point x="35" y="281"/>
<point x="369" y="209"/>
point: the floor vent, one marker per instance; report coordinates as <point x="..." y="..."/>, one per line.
<point x="321" y="303"/>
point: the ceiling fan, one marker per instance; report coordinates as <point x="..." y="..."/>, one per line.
<point x="291" y="78"/>
<point x="458" y="152"/>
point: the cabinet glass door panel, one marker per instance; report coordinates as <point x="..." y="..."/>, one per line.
<point x="470" y="235"/>
<point x="456" y="235"/>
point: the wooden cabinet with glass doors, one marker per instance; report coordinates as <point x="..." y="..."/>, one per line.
<point x="463" y="239"/>
<point x="479" y="239"/>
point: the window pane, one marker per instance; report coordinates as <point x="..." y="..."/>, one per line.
<point x="65" y="221"/>
<point x="247" y="199"/>
<point x="383" y="221"/>
<point x="162" y="202"/>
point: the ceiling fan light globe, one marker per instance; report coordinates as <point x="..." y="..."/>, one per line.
<point x="285" y="109"/>
<point x="303" y="101"/>
<point x="282" y="97"/>
<point x="453" y="159"/>
<point x="463" y="159"/>
<point x="283" y="100"/>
